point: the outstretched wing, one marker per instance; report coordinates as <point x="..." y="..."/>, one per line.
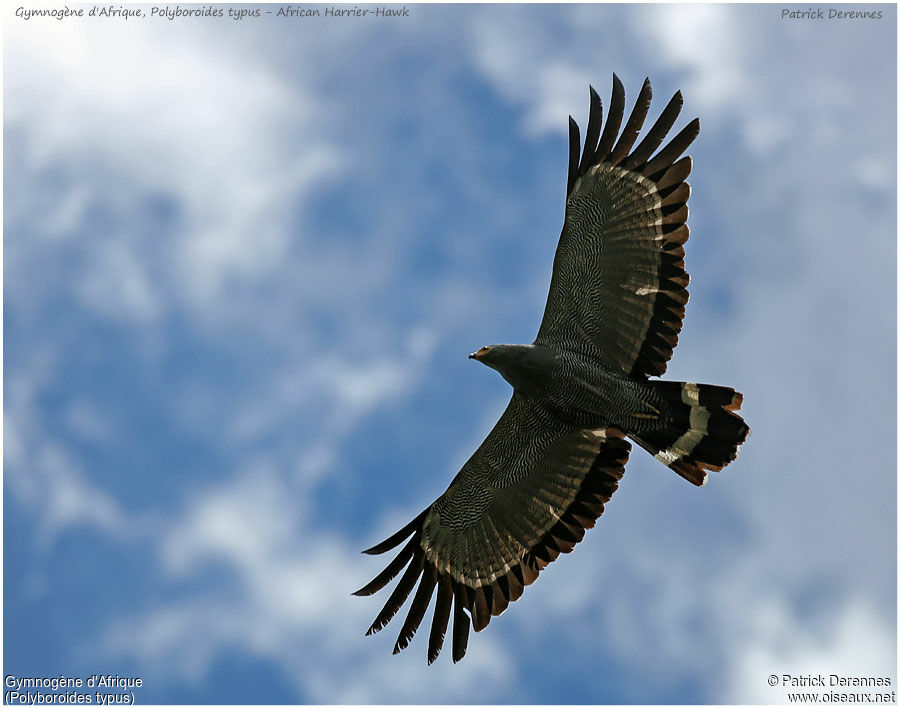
<point x="526" y="495"/>
<point x="619" y="286"/>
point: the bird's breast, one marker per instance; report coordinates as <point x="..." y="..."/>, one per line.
<point x="584" y="390"/>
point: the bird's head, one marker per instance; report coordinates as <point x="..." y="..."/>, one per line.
<point x="501" y="356"/>
<point x="495" y="356"/>
<point x="481" y="355"/>
<point x="526" y="366"/>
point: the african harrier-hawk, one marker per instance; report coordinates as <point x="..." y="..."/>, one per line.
<point x="556" y="455"/>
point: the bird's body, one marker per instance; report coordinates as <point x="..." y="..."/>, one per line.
<point x="586" y="392"/>
<point x="577" y="389"/>
<point x="542" y="476"/>
<point x="573" y="386"/>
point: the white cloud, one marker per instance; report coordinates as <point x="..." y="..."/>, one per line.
<point x="87" y="422"/>
<point x="118" y="285"/>
<point x="547" y="88"/>
<point x="520" y="60"/>
<point x="214" y="138"/>
<point x="41" y="472"/>
<point x="853" y="642"/>
<point x="703" y="42"/>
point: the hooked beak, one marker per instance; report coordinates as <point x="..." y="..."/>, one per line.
<point x="473" y="355"/>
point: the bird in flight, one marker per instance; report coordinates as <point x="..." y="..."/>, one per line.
<point x="543" y="474"/>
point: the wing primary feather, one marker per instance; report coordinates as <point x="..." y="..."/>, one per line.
<point x="654" y="137"/>
<point x="674" y="214"/>
<point x="503" y="586"/>
<point x="516" y="587"/>
<point x="500" y="595"/>
<point x="482" y="610"/>
<point x="550" y="546"/>
<point x="633" y="126"/>
<point x="613" y="119"/>
<point x="595" y="119"/>
<point x="417" y="608"/>
<point x="441" y="618"/>
<point x="401" y="592"/>
<point x="398" y="537"/>
<point x="529" y="570"/>
<point x="574" y="145"/>
<point x="470" y="598"/>
<point x="564" y="533"/>
<point x="678" y="172"/>
<point x="518" y="573"/>
<point x="388" y="574"/>
<point x="674" y="149"/>
<point x="460" y="623"/>
<point x="540" y="551"/>
<point x="675" y="195"/>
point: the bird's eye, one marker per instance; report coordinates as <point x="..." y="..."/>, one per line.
<point x="483" y="351"/>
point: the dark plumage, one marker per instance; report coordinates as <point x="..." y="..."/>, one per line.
<point x="555" y="457"/>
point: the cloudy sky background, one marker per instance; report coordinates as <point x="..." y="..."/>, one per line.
<point x="245" y="261"/>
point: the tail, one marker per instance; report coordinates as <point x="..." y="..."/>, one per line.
<point x="702" y="431"/>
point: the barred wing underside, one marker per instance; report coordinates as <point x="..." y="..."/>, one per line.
<point x="619" y="286"/>
<point x="526" y="495"/>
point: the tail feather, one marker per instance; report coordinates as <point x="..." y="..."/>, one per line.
<point x="702" y="431"/>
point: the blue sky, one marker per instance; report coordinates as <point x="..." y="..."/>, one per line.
<point x="244" y="263"/>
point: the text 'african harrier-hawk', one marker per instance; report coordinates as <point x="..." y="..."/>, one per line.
<point x="556" y="455"/>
